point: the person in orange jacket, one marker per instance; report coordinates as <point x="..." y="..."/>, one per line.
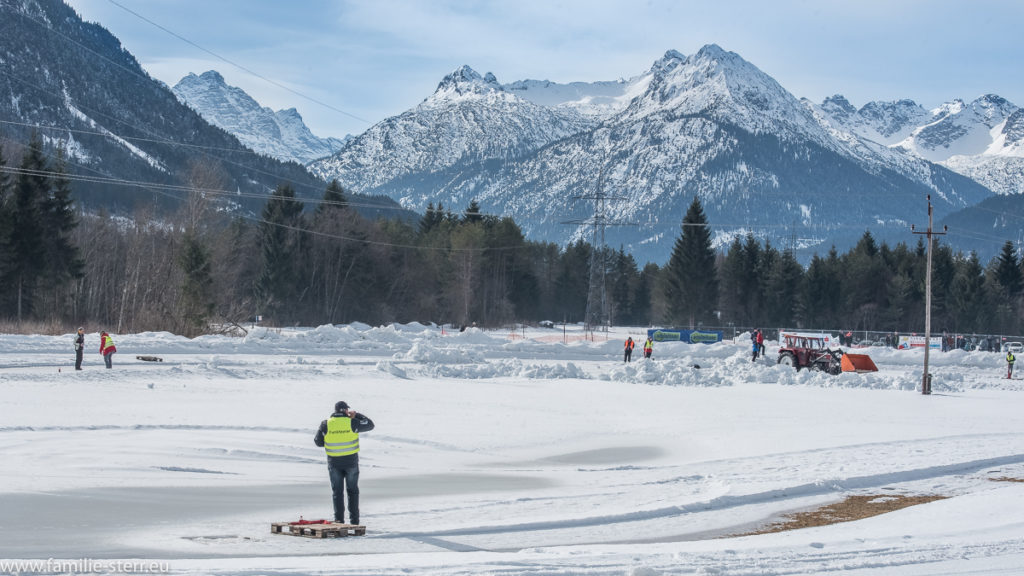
<point x="629" y="349"/>
<point x="107" y="349"/>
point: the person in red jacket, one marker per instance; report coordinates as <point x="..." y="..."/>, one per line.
<point x="107" y="349"/>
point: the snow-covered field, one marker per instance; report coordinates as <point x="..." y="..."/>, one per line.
<point x="495" y="454"/>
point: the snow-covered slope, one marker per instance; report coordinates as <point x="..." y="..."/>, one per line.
<point x="281" y="134"/>
<point x="596" y="99"/>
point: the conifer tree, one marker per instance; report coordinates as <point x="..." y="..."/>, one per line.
<point x="782" y="291"/>
<point x="731" y="275"/>
<point x="334" y="198"/>
<point x="27" y="230"/>
<point x="280" y="237"/>
<point x="6" y="224"/>
<point x="966" y="294"/>
<point x="691" y="288"/>
<point x="624" y="276"/>
<point x="63" y="262"/>
<point x="1008" y="271"/>
<point x="822" y="292"/>
<point x="472" y="214"/>
<point x="197" y="288"/>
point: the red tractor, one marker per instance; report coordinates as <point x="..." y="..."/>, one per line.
<point x="810" y="352"/>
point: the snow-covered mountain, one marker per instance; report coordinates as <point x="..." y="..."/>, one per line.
<point x="281" y="134"/>
<point x="710" y="125"/>
<point x="981" y="139"/>
<point x="77" y="87"/>
<point x="469" y="119"/>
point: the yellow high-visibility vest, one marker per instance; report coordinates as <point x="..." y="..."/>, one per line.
<point x="340" y="440"/>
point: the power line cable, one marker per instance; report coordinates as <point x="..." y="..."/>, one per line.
<point x="237" y="65"/>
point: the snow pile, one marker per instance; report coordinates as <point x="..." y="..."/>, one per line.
<point x="504" y="369"/>
<point x="390" y="368"/>
<point x="666" y="373"/>
<point x="424" y="352"/>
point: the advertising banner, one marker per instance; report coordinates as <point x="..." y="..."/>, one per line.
<point x="908" y="342"/>
<point x="688" y="336"/>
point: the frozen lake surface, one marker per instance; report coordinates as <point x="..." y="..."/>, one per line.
<point x="512" y="453"/>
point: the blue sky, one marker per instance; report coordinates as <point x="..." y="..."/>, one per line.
<point x="368" y="60"/>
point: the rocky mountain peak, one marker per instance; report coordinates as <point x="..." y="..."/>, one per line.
<point x="280" y="134"/>
<point x="464" y="80"/>
<point x="838" y="107"/>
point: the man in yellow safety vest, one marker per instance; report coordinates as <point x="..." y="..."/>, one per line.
<point x="339" y="436"/>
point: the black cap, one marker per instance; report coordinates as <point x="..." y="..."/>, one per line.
<point x="341" y="406"/>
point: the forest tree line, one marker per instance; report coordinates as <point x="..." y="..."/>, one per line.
<point x="196" y="269"/>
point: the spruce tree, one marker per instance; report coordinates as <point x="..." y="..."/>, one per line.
<point x="472" y="214"/>
<point x="782" y="291"/>
<point x="966" y="295"/>
<point x="6" y="250"/>
<point x="1008" y="271"/>
<point x="197" y="287"/>
<point x="730" y="282"/>
<point x="280" y="236"/>
<point x="334" y="199"/>
<point x="27" y="229"/>
<point x="63" y="262"/>
<point x="691" y="288"/>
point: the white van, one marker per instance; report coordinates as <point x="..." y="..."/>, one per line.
<point x="1015" y="347"/>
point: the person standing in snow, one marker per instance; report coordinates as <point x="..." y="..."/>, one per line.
<point x="629" y="349"/>
<point x="760" y="342"/>
<point x="648" y="348"/>
<point x="755" y="348"/>
<point x="107" y="349"/>
<point x="79" y="347"/>
<point x="339" y="436"/>
<point x="1010" y="359"/>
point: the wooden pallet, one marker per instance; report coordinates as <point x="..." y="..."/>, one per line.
<point x="317" y="530"/>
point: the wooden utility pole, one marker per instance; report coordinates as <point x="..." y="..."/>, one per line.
<point x="926" y="381"/>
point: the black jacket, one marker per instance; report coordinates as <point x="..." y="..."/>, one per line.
<point x="80" y="342"/>
<point x="360" y="423"/>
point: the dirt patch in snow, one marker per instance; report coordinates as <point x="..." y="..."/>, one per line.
<point x="1006" y="479"/>
<point x="852" y="508"/>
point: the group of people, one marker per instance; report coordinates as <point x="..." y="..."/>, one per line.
<point x="630" y="344"/>
<point x="757" y="343"/>
<point x="107" y="348"/>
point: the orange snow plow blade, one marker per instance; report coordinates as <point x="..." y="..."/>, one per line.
<point x="858" y="363"/>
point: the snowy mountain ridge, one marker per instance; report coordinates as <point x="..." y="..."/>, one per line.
<point x="710" y="125"/>
<point x="281" y="134"/>
<point x="982" y="139"/>
<point x="469" y="118"/>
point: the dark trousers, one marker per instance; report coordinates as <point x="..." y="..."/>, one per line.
<point x="629" y="354"/>
<point x="108" y="359"/>
<point x="345" y="480"/>
<point x="78" y="359"/>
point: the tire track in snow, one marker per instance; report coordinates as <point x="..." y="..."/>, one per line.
<point x="730" y="502"/>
